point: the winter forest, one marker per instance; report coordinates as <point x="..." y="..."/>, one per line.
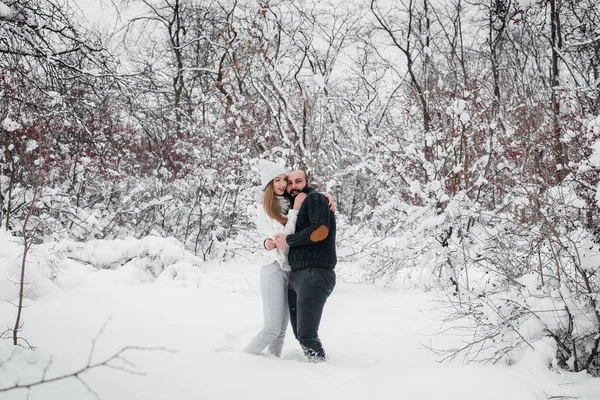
<point x="460" y="140"/>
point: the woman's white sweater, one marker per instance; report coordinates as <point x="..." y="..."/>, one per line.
<point x="268" y="227"/>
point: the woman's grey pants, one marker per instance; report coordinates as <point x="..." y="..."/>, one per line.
<point x="273" y="287"/>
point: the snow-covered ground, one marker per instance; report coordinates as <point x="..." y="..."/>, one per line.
<point x="201" y="316"/>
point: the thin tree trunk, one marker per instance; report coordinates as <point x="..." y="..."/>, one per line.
<point x="560" y="155"/>
<point x="26" y="246"/>
<point x="9" y="205"/>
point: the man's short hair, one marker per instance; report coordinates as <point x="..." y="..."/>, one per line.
<point x="306" y="176"/>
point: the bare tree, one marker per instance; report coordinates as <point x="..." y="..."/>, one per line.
<point x="117" y="361"/>
<point x="413" y="23"/>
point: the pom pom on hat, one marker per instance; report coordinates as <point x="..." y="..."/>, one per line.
<point x="269" y="171"/>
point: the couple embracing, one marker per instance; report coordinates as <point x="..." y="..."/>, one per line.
<point x="299" y="226"/>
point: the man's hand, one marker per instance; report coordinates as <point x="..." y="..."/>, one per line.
<point x="269" y="244"/>
<point x="298" y="200"/>
<point x="280" y="241"/>
<point x="331" y="202"/>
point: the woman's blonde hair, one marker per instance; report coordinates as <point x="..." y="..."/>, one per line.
<point x="271" y="204"/>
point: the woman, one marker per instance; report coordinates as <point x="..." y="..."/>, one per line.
<point x="274" y="216"/>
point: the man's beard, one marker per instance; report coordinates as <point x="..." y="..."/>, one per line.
<point x="294" y="192"/>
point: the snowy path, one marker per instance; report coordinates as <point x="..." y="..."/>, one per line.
<point x="372" y="336"/>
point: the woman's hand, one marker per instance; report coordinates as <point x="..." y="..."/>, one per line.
<point x="298" y="200"/>
<point x="331" y="202"/>
<point x="269" y="244"/>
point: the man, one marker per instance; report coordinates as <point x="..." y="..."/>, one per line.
<point x="312" y="257"/>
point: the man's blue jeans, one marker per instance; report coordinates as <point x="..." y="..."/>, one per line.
<point x="307" y="293"/>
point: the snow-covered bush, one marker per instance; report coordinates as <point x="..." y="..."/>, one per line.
<point x="53" y="265"/>
<point x="512" y="276"/>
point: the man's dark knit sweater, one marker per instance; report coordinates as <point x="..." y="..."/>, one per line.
<point x="313" y="244"/>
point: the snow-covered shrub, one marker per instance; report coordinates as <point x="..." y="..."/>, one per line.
<point x="151" y="254"/>
<point x="401" y="242"/>
<point x="64" y="263"/>
<point x="512" y="276"/>
<point x="531" y="274"/>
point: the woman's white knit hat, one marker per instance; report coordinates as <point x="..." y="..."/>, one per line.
<point x="269" y="171"/>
